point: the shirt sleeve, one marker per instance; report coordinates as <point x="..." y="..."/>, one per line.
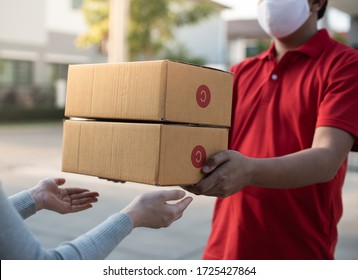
<point x="339" y="105"/>
<point x="23" y="203"/>
<point x="18" y="242"/>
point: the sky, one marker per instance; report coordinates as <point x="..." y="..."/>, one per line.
<point x="337" y="20"/>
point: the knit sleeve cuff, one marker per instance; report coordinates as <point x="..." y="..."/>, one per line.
<point x="24" y="204"/>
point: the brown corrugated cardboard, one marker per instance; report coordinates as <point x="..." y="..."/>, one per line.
<point x="163" y="91"/>
<point x="156" y="154"/>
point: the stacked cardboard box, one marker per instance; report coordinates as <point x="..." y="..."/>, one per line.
<point x="153" y="122"/>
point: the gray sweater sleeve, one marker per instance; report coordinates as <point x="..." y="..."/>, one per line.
<point x="23" y="203"/>
<point x="18" y="242"/>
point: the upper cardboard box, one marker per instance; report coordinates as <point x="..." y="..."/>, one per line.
<point x="163" y="90"/>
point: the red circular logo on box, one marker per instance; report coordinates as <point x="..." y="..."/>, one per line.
<point x="203" y="96"/>
<point x="198" y="156"/>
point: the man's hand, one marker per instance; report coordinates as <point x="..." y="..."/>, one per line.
<point x="48" y="195"/>
<point x="228" y="172"/>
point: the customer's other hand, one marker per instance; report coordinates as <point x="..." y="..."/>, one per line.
<point x="48" y="195"/>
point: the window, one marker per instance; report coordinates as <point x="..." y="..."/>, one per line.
<point x="56" y="72"/>
<point x="77" y="4"/>
<point x="254" y="47"/>
<point x="15" y="72"/>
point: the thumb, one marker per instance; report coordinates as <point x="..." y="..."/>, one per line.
<point x="168" y="195"/>
<point x="183" y="204"/>
<point x="213" y="162"/>
<point x="59" y="181"/>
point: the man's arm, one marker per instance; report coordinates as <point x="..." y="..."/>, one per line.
<point x="230" y="171"/>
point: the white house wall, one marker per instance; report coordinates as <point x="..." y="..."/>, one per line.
<point x="353" y="34"/>
<point x="42" y="32"/>
<point x="18" y="23"/>
<point x="206" y="39"/>
<point x="62" y="18"/>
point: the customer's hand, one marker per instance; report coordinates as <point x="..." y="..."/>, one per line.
<point x="153" y="210"/>
<point x="48" y="195"/>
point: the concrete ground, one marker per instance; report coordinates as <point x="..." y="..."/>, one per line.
<point x="29" y="153"/>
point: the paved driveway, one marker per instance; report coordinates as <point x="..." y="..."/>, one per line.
<point x="30" y="153"/>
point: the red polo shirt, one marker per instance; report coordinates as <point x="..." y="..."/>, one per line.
<point x="276" y="109"/>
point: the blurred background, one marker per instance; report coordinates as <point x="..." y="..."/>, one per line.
<point x="40" y="38"/>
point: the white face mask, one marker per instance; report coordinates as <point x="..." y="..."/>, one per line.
<point x="280" y="18"/>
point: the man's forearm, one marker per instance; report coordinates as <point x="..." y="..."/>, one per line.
<point x="315" y="165"/>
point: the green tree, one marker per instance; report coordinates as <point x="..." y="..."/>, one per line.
<point x="96" y="15"/>
<point x="151" y="23"/>
<point x="340" y="37"/>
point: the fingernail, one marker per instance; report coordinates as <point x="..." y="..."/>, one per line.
<point x="206" y="168"/>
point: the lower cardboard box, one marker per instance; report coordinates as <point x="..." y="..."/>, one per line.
<point x="149" y="153"/>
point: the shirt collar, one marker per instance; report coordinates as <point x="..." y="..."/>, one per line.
<point x="313" y="47"/>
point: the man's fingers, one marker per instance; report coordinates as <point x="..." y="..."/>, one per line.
<point x="204" y="185"/>
<point x="189" y="188"/>
<point x="216" y="160"/>
<point x="211" y="184"/>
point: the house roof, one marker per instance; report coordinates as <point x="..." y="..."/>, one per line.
<point x="222" y="6"/>
<point x="348" y="6"/>
<point x="217" y="3"/>
<point x="245" y="28"/>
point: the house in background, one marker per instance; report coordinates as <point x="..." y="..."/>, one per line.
<point x="36" y="46"/>
<point x="207" y="39"/>
<point x="351" y="8"/>
<point x="247" y="38"/>
<point x="37" y="42"/>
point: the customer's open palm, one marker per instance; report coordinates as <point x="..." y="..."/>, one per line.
<point x="48" y="195"/>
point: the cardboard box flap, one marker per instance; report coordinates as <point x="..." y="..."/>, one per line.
<point x="203" y="95"/>
<point x="185" y="149"/>
<point x="79" y="91"/>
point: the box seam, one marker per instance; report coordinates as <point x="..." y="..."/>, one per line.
<point x="165" y="86"/>
<point x="157" y="179"/>
<point x="92" y="91"/>
<point x="111" y="149"/>
<point x="78" y="150"/>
